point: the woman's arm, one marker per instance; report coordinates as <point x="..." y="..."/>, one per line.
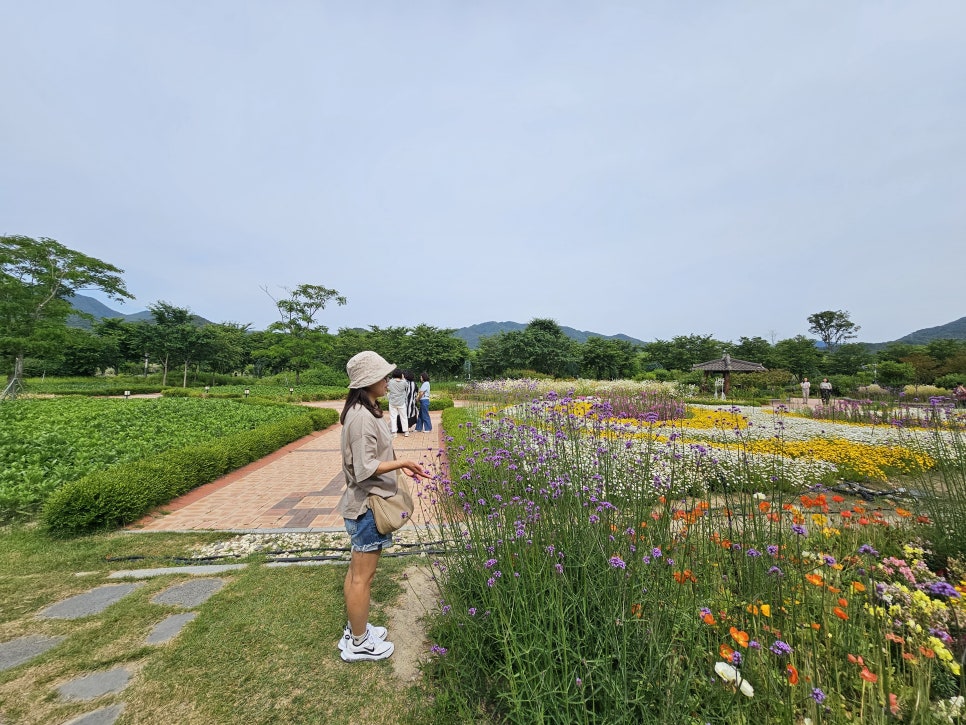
<point x="411" y="467"/>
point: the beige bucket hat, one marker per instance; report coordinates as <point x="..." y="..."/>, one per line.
<point x="366" y="368"/>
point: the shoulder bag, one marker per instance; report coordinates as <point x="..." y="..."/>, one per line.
<point x="393" y="512"/>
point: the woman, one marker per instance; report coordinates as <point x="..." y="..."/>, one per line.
<point x="398" y="392"/>
<point x="369" y="465"/>
<point x="412" y="407"/>
<point x="423" y="423"/>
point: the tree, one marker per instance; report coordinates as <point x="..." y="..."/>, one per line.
<point x="549" y="350"/>
<point x="752" y="349"/>
<point x="35" y="277"/>
<point x="683" y="351"/>
<point x="604" y="359"/>
<point x="173" y="338"/>
<point x="848" y="359"/>
<point x="832" y="327"/>
<point x="303" y="333"/>
<point x="894" y="374"/>
<point x="434" y="350"/>
<point x="797" y="354"/>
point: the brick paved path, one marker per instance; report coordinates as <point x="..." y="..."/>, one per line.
<point x="295" y="489"/>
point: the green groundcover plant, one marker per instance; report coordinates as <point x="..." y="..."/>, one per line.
<point x="47" y="443"/>
<point x="584" y="583"/>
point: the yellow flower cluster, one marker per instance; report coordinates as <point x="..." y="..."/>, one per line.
<point x="705" y="418"/>
<point x="872" y="462"/>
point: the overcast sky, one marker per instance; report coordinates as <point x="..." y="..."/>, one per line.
<point x="647" y="168"/>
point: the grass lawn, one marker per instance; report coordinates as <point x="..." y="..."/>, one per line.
<point x="262" y="650"/>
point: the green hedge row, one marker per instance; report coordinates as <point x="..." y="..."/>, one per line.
<point x="123" y="493"/>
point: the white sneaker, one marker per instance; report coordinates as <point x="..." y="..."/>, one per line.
<point x="377" y="632"/>
<point x="369" y="648"/>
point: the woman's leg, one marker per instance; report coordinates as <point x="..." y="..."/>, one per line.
<point x="357" y="588"/>
<point x="424" y="420"/>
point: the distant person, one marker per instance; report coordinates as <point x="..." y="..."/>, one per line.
<point x="398" y="392"/>
<point x="412" y="406"/>
<point x="825" y="390"/>
<point x="960" y="394"/>
<point x="423" y="423"/>
<point x="806" y="386"/>
<point x="369" y="465"/>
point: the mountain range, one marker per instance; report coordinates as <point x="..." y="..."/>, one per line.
<point x="955" y="330"/>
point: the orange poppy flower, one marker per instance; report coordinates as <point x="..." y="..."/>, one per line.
<point x="837" y="499"/>
<point x="903" y="512"/>
<point x="637" y="610"/>
<point x="845" y="514"/>
<point x="764" y="506"/>
<point x="840" y="613"/>
<point x="685" y="576"/>
<point x="909" y="656"/>
<point x="843" y="602"/>
<point x="856" y="660"/>
<point x="726" y="652"/>
<point x="774" y="517"/>
<point x="708" y="618"/>
<point x="927" y="653"/>
<point x="864" y="521"/>
<point x="815" y="579"/>
<point x="816" y="626"/>
<point x="868" y="675"/>
<point x="858" y="587"/>
<point x="892" y="637"/>
<point x="741" y="637"/>
<point x="792" y="674"/>
<point x="834" y="590"/>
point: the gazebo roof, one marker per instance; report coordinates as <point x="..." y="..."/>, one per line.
<point x="729" y="364"/>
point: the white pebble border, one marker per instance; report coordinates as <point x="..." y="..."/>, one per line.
<point x="301" y="544"/>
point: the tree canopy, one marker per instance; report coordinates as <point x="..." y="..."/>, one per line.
<point x="36" y="275"/>
<point x="832" y="327"/>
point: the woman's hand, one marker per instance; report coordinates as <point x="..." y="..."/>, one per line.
<point x="411" y="468"/>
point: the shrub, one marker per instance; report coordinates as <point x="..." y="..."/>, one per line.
<point x="123" y="493"/>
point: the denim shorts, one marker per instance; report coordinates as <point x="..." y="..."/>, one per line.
<point x="364" y="534"/>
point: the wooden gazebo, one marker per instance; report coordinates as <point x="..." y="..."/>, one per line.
<point x="728" y="365"/>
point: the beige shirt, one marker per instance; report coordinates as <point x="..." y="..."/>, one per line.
<point x="366" y="442"/>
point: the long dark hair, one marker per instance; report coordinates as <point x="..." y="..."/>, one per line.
<point x="361" y="397"/>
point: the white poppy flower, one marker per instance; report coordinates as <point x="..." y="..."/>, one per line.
<point x="730" y="674"/>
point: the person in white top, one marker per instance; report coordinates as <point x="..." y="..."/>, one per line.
<point x="806" y="386"/>
<point x="423" y="423"/>
<point x="398" y="392"/>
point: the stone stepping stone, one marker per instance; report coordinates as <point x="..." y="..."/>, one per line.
<point x="22" y="649"/>
<point x="190" y="594"/>
<point x="104" y="716"/>
<point x="93" y="602"/>
<point x="169" y="628"/>
<point x="95" y="684"/>
<point x="168" y="571"/>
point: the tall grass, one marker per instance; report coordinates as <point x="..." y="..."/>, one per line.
<point x="593" y="581"/>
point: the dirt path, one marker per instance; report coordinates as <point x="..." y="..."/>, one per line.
<point x="407" y="628"/>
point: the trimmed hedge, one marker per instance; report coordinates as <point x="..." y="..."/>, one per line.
<point x="122" y="494"/>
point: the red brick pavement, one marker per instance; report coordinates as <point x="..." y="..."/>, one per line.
<point x="295" y="489"/>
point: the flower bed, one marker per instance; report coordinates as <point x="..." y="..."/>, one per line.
<point x="590" y="583"/>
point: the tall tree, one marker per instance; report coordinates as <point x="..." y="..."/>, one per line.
<point x="302" y="333"/>
<point x="832" y="327"/>
<point x="35" y="277"/>
<point x="173" y="338"/>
